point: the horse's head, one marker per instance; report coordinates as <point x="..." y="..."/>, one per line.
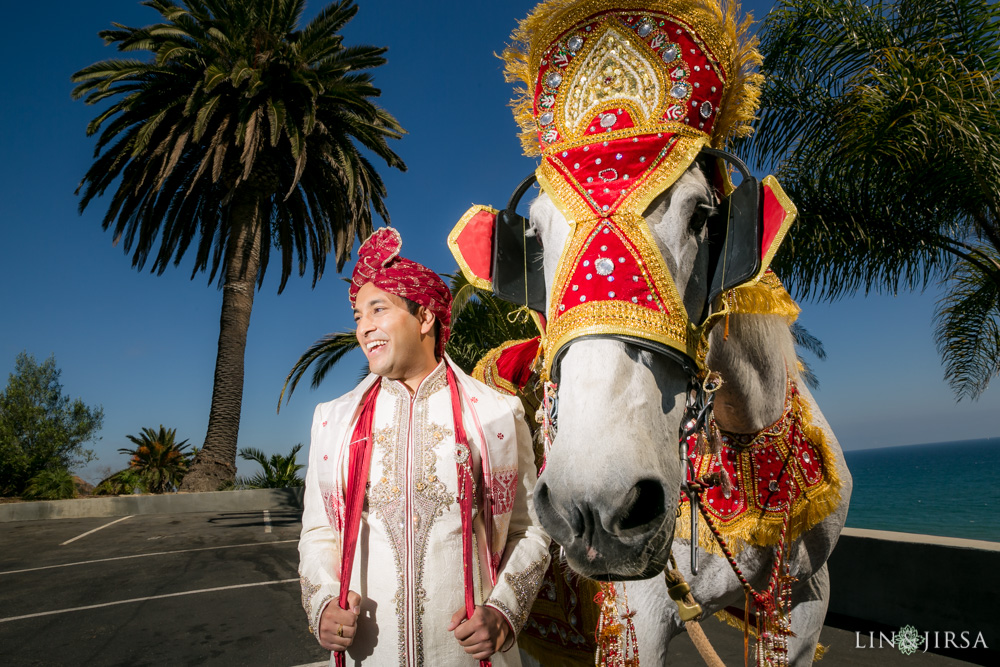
<point x="619" y="99"/>
<point x="611" y="484"/>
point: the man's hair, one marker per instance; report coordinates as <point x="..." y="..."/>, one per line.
<point x="413" y="307"/>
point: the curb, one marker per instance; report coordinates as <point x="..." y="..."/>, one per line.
<point x="172" y="503"/>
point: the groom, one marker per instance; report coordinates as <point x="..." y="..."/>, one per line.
<point x="419" y="542"/>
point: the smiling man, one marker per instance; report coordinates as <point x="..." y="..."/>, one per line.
<point x="419" y="543"/>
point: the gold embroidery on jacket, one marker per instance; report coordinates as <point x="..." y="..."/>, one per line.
<point x="429" y="498"/>
<point x="525" y="585"/>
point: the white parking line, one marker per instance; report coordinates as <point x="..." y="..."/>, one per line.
<point x="96" y="529"/>
<point x="158" y="553"/>
<point x="151" y="597"/>
<point x="267" y="521"/>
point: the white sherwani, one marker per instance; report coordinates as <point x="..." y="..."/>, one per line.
<point x="408" y="561"/>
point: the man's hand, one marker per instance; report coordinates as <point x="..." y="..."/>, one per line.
<point x="337" y="626"/>
<point x="482" y="635"/>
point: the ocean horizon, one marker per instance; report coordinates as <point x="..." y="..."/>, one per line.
<point x="949" y="489"/>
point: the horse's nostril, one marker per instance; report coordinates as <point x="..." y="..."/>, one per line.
<point x="647" y="505"/>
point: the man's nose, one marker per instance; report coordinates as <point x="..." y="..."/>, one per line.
<point x="365" y="326"/>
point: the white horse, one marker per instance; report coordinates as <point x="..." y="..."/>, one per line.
<point x="610" y="489"/>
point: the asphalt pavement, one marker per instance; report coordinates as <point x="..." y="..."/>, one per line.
<point x="186" y="589"/>
<point x="220" y="589"/>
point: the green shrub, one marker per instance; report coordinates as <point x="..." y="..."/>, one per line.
<point x="123" y="482"/>
<point x="54" y="484"/>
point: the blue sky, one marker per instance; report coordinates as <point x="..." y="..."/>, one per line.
<point x="143" y="346"/>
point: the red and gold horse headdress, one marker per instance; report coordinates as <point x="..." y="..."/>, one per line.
<point x="618" y="99"/>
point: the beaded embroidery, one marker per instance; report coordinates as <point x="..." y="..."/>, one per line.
<point x="525" y="585"/>
<point x="788" y="462"/>
<point x="429" y="497"/>
<point x="309" y="591"/>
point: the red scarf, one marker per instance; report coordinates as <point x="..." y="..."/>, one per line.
<point x="357" y="480"/>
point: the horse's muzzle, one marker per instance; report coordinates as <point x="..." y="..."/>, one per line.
<point x="628" y="538"/>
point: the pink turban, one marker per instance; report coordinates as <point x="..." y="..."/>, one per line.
<point x="379" y="263"/>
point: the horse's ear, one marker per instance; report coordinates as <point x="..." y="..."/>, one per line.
<point x="777" y="215"/>
<point x="471" y="242"/>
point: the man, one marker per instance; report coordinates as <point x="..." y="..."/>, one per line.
<point x="419" y="542"/>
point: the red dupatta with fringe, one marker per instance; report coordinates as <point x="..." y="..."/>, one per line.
<point x="357" y="480"/>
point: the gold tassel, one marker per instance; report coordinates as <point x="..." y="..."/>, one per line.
<point x="615" y="635"/>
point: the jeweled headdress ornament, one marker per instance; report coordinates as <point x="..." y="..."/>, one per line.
<point x="618" y="99"/>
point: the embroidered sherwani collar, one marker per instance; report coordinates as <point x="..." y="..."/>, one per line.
<point x="430" y="385"/>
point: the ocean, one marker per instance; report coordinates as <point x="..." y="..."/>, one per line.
<point x="950" y="489"/>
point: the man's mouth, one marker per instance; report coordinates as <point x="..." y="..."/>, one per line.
<point x="375" y="344"/>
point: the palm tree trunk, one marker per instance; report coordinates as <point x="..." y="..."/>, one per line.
<point x="215" y="464"/>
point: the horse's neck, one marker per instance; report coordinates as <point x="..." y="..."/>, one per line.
<point x="754" y="361"/>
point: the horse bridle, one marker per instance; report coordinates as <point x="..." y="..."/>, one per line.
<point x="518" y="277"/>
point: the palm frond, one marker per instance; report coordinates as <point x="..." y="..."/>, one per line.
<point x="967" y="329"/>
<point x="879" y="118"/>
<point x="325" y="352"/>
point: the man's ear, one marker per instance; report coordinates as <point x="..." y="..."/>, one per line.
<point x="427" y="320"/>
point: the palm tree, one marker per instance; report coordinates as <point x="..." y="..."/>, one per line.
<point x="158" y="458"/>
<point x="480" y="322"/>
<point x="881" y="116"/>
<point x="241" y="133"/>
<point x="277" y="472"/>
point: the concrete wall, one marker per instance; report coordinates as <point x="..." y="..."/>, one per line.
<point x="169" y="503"/>
<point x="932" y="583"/>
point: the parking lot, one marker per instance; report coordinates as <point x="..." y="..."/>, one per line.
<point x="185" y="589"/>
<point x="217" y="588"/>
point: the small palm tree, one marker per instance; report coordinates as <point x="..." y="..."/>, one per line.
<point x="239" y="133"/>
<point x="55" y="484"/>
<point x="159" y="460"/>
<point x="277" y="472"/>
<point x="123" y="482"/>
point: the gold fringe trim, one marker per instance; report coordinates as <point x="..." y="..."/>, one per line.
<point x="732" y="621"/>
<point x="750" y="527"/>
<point x="820" y="652"/>
<point x="765" y="297"/>
<point x="718" y="24"/>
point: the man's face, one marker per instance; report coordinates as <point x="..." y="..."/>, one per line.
<point x="399" y="346"/>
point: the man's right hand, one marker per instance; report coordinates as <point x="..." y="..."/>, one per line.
<point x="337" y="626"/>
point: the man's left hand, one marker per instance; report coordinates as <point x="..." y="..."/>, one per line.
<point x="482" y="635"/>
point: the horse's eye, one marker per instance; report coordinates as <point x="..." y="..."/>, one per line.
<point x="699" y="217"/>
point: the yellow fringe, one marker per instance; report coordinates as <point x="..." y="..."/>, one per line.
<point x="751" y="528"/>
<point x="735" y="622"/>
<point x="717" y="23"/>
<point x="765" y="297"/>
